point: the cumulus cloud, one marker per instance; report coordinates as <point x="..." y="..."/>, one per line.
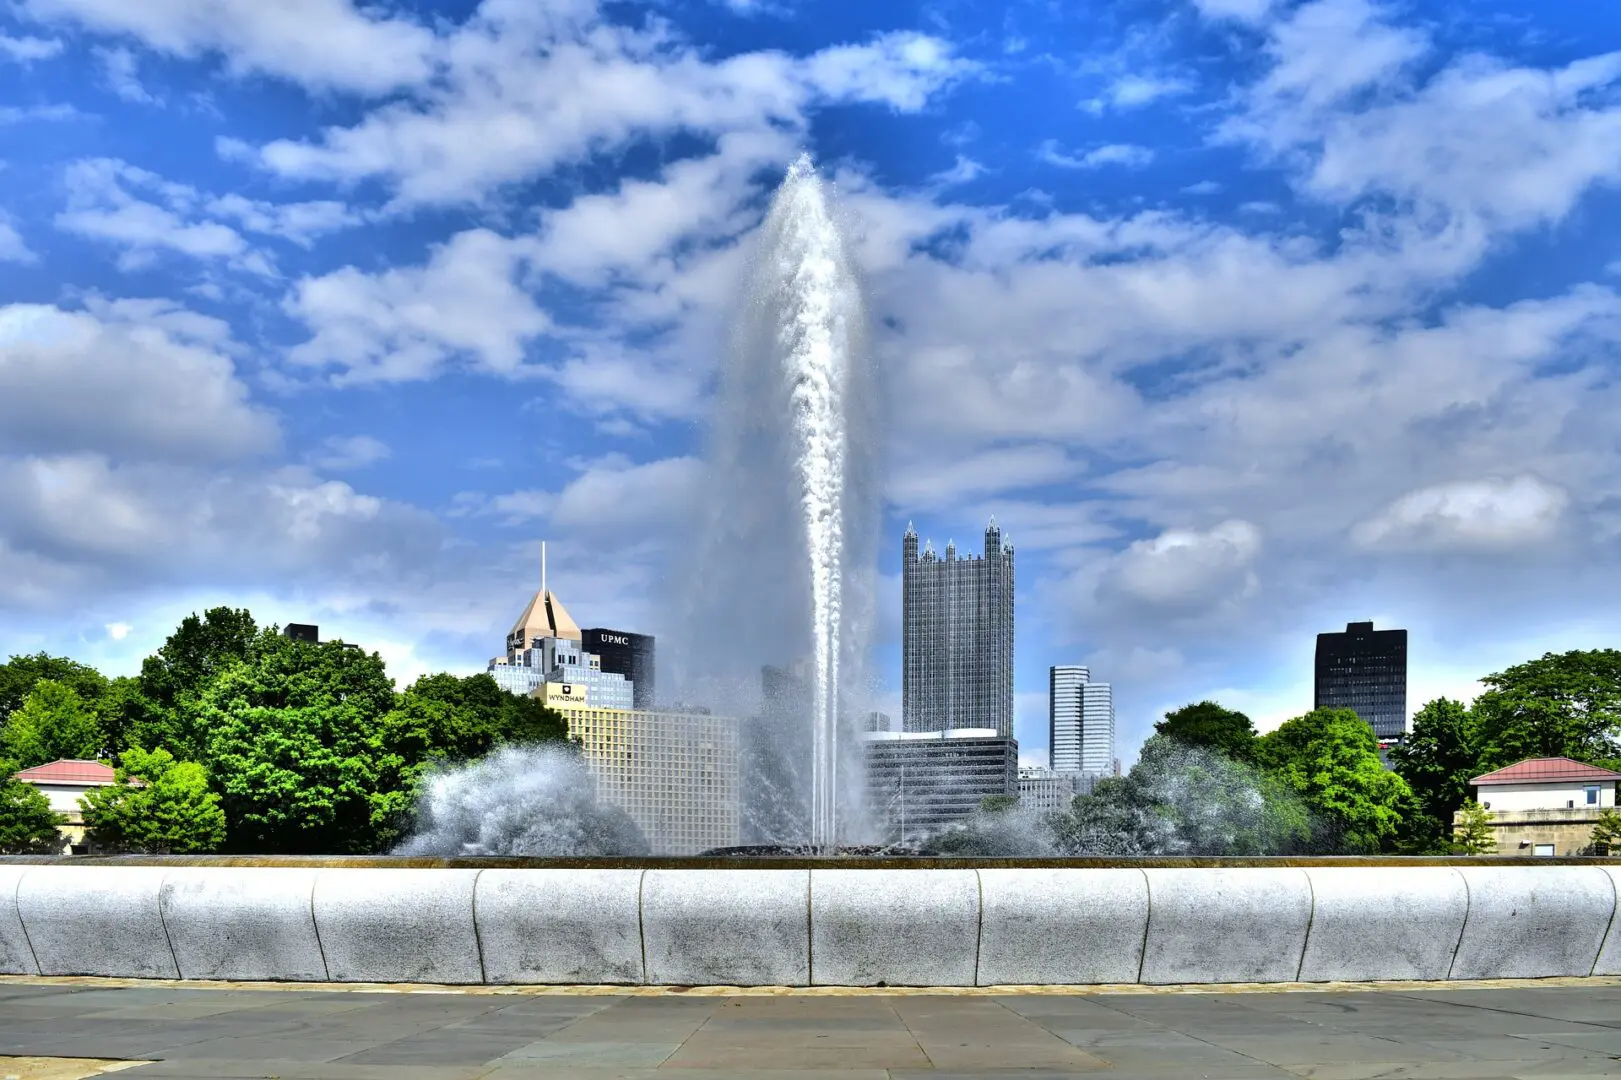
<point x="1494" y="513"/>
<point x="406" y="323"/>
<point x="1187" y="572"/>
<point x="525" y="91"/>
<point x="1128" y="156"/>
<point x="135" y="378"/>
<point x="12" y="246"/>
<point x="339" y="453"/>
<point x="322" y="44"/>
<point x="26" y="50"/>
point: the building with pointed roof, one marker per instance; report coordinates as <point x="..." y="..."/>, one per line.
<point x="546" y="645"/>
<point x="63" y="783"/>
<point x="957" y="636"/>
<point x="1546" y="806"/>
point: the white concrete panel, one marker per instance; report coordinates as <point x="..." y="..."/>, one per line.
<point x="560" y="926"/>
<point x="1246" y="924"/>
<point x="16" y="957"/>
<point x="246" y="923"/>
<point x="1609" y="957"/>
<point x="726" y="927"/>
<point x="96" y="920"/>
<point x="1061" y="926"/>
<point x="1370" y="923"/>
<point x="1533" y="922"/>
<point x="386" y="925"/>
<point x="894" y="927"/>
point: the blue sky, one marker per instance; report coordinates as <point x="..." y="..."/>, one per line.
<point x="1246" y="319"/>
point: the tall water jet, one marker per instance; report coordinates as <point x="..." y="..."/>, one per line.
<point x="788" y="550"/>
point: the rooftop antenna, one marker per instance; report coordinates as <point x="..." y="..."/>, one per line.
<point x="543" y="568"/>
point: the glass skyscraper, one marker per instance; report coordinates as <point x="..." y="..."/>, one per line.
<point x="1366" y="670"/>
<point x="957" y="636"/>
<point x="1080" y="722"/>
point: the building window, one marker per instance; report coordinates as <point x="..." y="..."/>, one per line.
<point x="1544" y="850"/>
<point x="1592" y="795"/>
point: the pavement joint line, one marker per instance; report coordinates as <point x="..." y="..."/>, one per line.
<point x="1004" y="990"/>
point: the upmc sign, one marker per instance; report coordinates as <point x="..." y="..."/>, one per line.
<point x="614" y="639"/>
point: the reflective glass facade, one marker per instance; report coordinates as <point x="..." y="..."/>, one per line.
<point x="627" y="654"/>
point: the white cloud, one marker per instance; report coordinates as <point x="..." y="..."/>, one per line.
<point x="525" y="90"/>
<point x="931" y="482"/>
<point x="322" y="44"/>
<point x="135" y="378"/>
<point x="1131" y="157"/>
<point x="340" y="453"/>
<point x="1186" y="572"/>
<point x="1135" y="90"/>
<point x="407" y="323"/>
<point x="25" y="50"/>
<point x="614" y="495"/>
<point x="12" y="246"/>
<point x="121" y="69"/>
<point x="1248" y="11"/>
<point x="180" y="218"/>
<point x="1494" y="513"/>
<point x="23" y="114"/>
<point x="118" y="631"/>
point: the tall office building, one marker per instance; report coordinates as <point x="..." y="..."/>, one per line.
<point x="1366" y="670"/>
<point x="1065" y="683"/>
<point x="922" y="781"/>
<point x="957" y="636"/>
<point x="546" y="645"/>
<point x="674" y="773"/>
<point x="1080" y="722"/>
<point x="1097" y="730"/>
<point x="627" y="654"/>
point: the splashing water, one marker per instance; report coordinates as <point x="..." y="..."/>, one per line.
<point x="520" y="800"/>
<point x="789" y="544"/>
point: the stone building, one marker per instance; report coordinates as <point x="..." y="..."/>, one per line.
<point x="1545" y="806"/>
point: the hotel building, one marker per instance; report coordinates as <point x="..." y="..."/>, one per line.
<point x="674" y="773"/>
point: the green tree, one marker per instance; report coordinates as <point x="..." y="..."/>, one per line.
<point x="173" y="679"/>
<point x="28" y="825"/>
<point x="996" y="804"/>
<point x="1561" y="705"/>
<point x="1184" y="800"/>
<point x="128" y="718"/>
<point x="1212" y="726"/>
<point x="1437" y="759"/>
<point x="156" y="806"/>
<point x="1606" y="838"/>
<point x="54" y="722"/>
<point x="446" y="719"/>
<point x="20" y="674"/>
<point x="1330" y="758"/>
<point x="1473" y="834"/>
<point x="292" y="747"/>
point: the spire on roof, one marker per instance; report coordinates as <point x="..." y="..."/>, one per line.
<point x="992" y="526"/>
<point x="911" y="533"/>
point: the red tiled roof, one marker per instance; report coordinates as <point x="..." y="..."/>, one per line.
<point x="68" y="771"/>
<point x="1546" y="770"/>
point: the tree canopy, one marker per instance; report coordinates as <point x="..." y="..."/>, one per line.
<point x="28" y="825"/>
<point x="1560" y="705"/>
<point x="1437" y="760"/>
<point x="156" y="806"/>
<point x="20" y="674"/>
<point x="1211" y="726"/>
<point x="1330" y="758"/>
<point x="53" y="722"/>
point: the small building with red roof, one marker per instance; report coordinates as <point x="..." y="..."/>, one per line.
<point x="1546" y="806"/>
<point x="64" y="783"/>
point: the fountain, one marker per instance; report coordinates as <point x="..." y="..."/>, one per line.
<point x="791" y="474"/>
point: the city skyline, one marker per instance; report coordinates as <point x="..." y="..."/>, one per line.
<point x="326" y="315"/>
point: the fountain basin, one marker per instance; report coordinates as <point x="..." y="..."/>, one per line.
<point x="810" y="921"/>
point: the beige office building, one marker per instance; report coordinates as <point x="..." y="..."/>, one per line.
<point x="674" y="773"/>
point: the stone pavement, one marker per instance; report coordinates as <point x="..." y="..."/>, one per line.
<point x="1456" y="1033"/>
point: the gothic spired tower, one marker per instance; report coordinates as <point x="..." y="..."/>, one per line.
<point x="957" y="636"/>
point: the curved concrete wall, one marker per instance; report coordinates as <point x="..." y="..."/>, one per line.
<point x="855" y="927"/>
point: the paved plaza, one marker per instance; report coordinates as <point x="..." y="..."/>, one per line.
<point x="1543" y="1031"/>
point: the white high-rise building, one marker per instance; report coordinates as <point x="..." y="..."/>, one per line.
<point x="1080" y="722"/>
<point x="1064" y="685"/>
<point x="1097" y="729"/>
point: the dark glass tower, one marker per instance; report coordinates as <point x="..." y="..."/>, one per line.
<point x="957" y="637"/>
<point x="627" y="654"/>
<point x="1366" y="670"/>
